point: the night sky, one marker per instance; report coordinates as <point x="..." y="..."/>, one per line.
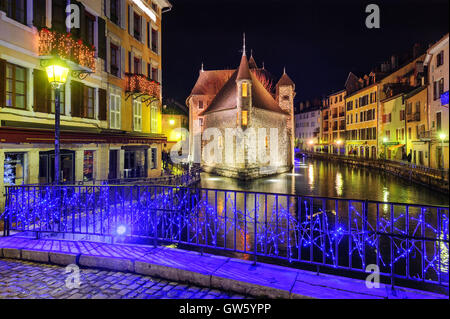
<point x="318" y="41"/>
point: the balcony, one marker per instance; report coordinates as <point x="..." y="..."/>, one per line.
<point x="139" y="85"/>
<point x="52" y="43"/>
<point x="425" y="135"/>
<point x="413" y="117"/>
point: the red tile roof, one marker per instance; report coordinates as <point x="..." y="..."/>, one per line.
<point x="210" y="82"/>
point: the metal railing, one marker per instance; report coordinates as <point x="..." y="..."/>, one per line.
<point x="408" y="242"/>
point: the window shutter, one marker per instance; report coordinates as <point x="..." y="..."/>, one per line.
<point x="107" y="8"/>
<point x="123" y="15"/>
<point x="130" y="20"/>
<point x="84" y="99"/>
<point x="101" y="39"/>
<point x="2" y="82"/>
<point x="143" y="24"/>
<point x="59" y="15"/>
<point x="122" y="62"/>
<point x="102" y="104"/>
<point x="76" y="98"/>
<point x="39" y="7"/>
<point x="82" y="22"/>
<point x="41" y="87"/>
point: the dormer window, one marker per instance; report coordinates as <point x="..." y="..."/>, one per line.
<point x="244" y="89"/>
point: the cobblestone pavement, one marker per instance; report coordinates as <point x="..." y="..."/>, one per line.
<point x="19" y="279"/>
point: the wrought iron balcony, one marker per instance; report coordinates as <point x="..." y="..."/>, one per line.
<point x="139" y="85"/>
<point x="413" y="117"/>
<point x="64" y="45"/>
<point x="425" y="135"/>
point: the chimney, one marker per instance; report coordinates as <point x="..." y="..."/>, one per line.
<point x="394" y="62"/>
<point x="301" y="106"/>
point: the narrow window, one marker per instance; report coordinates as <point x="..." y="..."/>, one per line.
<point x="244" y="117"/>
<point x="244" y="89"/>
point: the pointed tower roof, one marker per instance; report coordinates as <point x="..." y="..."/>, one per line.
<point x="251" y="62"/>
<point x="243" y="70"/>
<point x="285" y="80"/>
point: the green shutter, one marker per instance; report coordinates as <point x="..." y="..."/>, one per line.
<point x="41" y="89"/>
<point x="102" y="105"/>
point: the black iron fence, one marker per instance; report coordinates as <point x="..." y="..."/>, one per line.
<point x="407" y="242"/>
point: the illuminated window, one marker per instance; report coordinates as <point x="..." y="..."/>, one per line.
<point x="244" y="89"/>
<point x="267" y="141"/>
<point x="220" y="142"/>
<point x="244" y="118"/>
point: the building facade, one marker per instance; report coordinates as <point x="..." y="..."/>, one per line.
<point x="361" y="116"/>
<point x="437" y="62"/>
<point x="107" y="132"/>
<point x="307" y="126"/>
<point x="336" y="123"/>
<point x="242" y="100"/>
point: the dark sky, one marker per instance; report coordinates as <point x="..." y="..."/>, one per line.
<point x="318" y="41"/>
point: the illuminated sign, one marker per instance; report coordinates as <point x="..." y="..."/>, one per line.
<point x="444" y="98"/>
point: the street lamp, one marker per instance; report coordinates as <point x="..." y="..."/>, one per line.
<point x="339" y="143"/>
<point x="385" y="140"/>
<point x="57" y="72"/>
<point x="442" y="137"/>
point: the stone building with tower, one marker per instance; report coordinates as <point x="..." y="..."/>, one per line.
<point x="242" y="100"/>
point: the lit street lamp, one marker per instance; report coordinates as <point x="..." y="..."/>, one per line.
<point x="442" y="137"/>
<point x="339" y="143"/>
<point x="57" y="73"/>
<point x="385" y="140"/>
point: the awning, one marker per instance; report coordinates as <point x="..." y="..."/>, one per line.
<point x="393" y="147"/>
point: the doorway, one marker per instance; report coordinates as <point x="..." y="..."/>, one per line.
<point x="47" y="166"/>
<point x="113" y="164"/>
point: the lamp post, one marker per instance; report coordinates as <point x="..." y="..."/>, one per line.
<point x="339" y="143"/>
<point x="57" y="73"/>
<point x="385" y="140"/>
<point x="442" y="137"/>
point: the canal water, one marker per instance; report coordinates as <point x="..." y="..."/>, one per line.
<point x="289" y="222"/>
<point x="329" y="179"/>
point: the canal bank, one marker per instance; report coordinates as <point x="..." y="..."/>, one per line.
<point x="428" y="177"/>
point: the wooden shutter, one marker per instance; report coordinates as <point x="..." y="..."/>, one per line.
<point x="39" y="7"/>
<point x="83" y="26"/>
<point x="76" y="98"/>
<point x="101" y="39"/>
<point x="41" y="89"/>
<point x="2" y="82"/>
<point x="102" y="104"/>
<point x="59" y="15"/>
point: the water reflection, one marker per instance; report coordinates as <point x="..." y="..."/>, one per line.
<point x="339" y="184"/>
<point x="314" y="177"/>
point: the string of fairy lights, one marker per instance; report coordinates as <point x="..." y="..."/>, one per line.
<point x="67" y="47"/>
<point x="139" y="83"/>
<point x="290" y="228"/>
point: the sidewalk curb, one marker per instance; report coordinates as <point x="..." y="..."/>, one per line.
<point x="215" y="272"/>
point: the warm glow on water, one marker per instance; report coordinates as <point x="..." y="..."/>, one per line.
<point x="321" y="178"/>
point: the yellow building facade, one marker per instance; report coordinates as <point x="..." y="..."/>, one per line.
<point x="361" y="122"/>
<point x="110" y="104"/>
<point x="336" y="123"/>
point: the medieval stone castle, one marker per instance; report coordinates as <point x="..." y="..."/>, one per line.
<point x="242" y="100"/>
